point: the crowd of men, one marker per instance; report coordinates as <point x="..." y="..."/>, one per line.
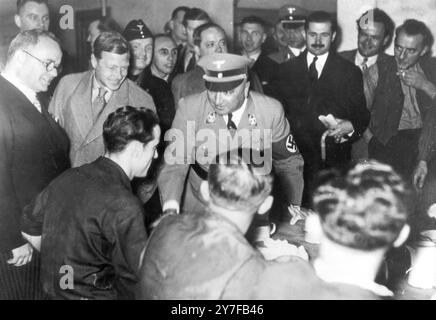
<point x="171" y="134"/>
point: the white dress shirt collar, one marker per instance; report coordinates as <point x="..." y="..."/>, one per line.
<point x="359" y="60"/>
<point x="330" y="275"/>
<point x="95" y="87"/>
<point x="253" y="56"/>
<point x="320" y="63"/>
<point x="29" y="93"/>
<point x="297" y="51"/>
<point x="237" y="115"/>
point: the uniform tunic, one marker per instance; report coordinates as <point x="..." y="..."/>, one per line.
<point x="200" y="134"/>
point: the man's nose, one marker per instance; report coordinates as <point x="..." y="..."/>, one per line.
<point x="218" y="98"/>
<point x="402" y="53"/>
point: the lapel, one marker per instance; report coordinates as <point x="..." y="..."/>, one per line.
<point x="80" y="104"/>
<point x="25" y="107"/>
<point x="329" y="68"/>
<point x="118" y="98"/>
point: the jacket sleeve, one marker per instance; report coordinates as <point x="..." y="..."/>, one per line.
<point x="427" y="139"/>
<point x="129" y="238"/>
<point x="172" y="177"/>
<point x="287" y="160"/>
<point x="55" y="107"/>
<point x="10" y="211"/>
<point x="358" y="113"/>
<point x="33" y="215"/>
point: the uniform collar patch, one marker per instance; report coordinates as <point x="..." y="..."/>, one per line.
<point x="211" y="117"/>
<point x="252" y="120"/>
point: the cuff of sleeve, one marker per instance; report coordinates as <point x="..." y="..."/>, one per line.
<point x="171" y="204"/>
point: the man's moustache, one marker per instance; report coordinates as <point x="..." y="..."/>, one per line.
<point x="318" y="46"/>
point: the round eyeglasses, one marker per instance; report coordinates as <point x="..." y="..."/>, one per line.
<point x="49" y="65"/>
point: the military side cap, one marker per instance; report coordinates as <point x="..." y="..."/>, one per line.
<point x="136" y="29"/>
<point x="292" y="16"/>
<point x="224" y="71"/>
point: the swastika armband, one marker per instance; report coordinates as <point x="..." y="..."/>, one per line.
<point x="285" y="148"/>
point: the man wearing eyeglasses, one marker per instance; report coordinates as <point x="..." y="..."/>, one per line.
<point x="33" y="151"/>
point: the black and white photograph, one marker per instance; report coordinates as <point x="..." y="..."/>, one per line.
<point x="230" y="151"/>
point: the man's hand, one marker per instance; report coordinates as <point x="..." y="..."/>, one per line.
<point x="35" y="241"/>
<point x="298" y="213"/>
<point x="417" y="80"/>
<point x="420" y="174"/>
<point x="341" y="130"/>
<point x="21" y="255"/>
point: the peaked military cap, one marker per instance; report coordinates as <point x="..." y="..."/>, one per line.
<point x="224" y="71"/>
<point x="136" y="29"/>
<point x="292" y="16"/>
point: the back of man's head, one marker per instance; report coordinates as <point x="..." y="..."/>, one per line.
<point x="366" y="210"/>
<point x="176" y="11"/>
<point x="236" y="183"/>
<point x="127" y="124"/>
<point x="195" y="14"/>
<point x="110" y="41"/>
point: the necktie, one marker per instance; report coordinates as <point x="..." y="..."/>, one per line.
<point x="230" y="124"/>
<point x="98" y="104"/>
<point x="364" y="66"/>
<point x="191" y="63"/>
<point x="313" y="73"/>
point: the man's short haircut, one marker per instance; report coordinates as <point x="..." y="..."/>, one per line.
<point x="199" y="30"/>
<point x="127" y="124"/>
<point x="108" y="24"/>
<point x="177" y="10"/>
<point x="412" y="27"/>
<point x="236" y="182"/>
<point x="195" y="14"/>
<point x="21" y="3"/>
<point x="366" y="210"/>
<point x="321" y="17"/>
<point x="27" y="39"/>
<point x="162" y="35"/>
<point x="254" y="20"/>
<point x="110" y="41"/>
<point x="379" y="16"/>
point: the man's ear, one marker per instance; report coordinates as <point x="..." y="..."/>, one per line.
<point x="266" y="205"/>
<point x="263" y="37"/>
<point x="171" y="24"/>
<point x="204" y="191"/>
<point x="247" y="88"/>
<point x="424" y="51"/>
<point x="402" y="237"/>
<point x="333" y="36"/>
<point x="197" y="50"/>
<point x="17" y="20"/>
<point x="93" y="61"/>
<point x="386" y="41"/>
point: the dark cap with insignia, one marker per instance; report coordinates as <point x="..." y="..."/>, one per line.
<point x="224" y="71"/>
<point x="292" y="16"/>
<point x="136" y="29"/>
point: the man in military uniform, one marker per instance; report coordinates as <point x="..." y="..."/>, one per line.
<point x="206" y="122"/>
<point x="289" y="33"/>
